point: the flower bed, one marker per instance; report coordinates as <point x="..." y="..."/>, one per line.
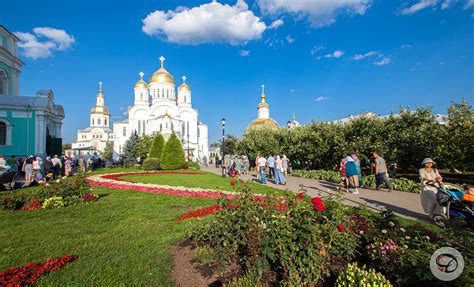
<point x="400" y="184"/>
<point x="60" y="193"/>
<point x="115" y="182"/>
<point x="305" y="241"/>
<point x="29" y="274"/>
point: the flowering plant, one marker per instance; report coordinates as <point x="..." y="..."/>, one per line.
<point x="29" y="274"/>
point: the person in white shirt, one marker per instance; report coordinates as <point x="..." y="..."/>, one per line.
<point x="262" y="166"/>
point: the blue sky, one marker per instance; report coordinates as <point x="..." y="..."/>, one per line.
<point x="321" y="60"/>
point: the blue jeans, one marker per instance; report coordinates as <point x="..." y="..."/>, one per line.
<point x="263" y="176"/>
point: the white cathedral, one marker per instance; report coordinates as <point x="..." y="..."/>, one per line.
<point x="157" y="108"/>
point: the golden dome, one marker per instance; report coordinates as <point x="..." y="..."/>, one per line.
<point x="162" y="77"/>
<point x="184" y="87"/>
<point x="100" y="110"/>
<point x="141" y="84"/>
<point x="267" y="123"/>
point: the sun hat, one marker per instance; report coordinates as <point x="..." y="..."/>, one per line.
<point x="427" y="160"/>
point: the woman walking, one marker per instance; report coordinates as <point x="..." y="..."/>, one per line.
<point x="430" y="176"/>
<point x="357" y="163"/>
<point x="284" y="165"/>
<point x="352" y="175"/>
<point x="279" y="178"/>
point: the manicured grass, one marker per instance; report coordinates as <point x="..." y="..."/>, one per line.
<point x="205" y="180"/>
<point x="122" y="239"/>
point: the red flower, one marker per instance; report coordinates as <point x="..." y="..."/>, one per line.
<point x="318" y="204"/>
<point x="340" y="227"/>
<point x="29" y="274"/>
<point x="200" y="212"/>
<point x="301" y="195"/>
<point x="283" y="207"/>
<point x="232" y="183"/>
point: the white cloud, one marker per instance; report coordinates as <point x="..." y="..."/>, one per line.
<point x="384" y="61"/>
<point x="335" y="54"/>
<point x="406" y="46"/>
<point x="208" y="23"/>
<point x="319" y="13"/>
<point x="321" y="98"/>
<point x="469" y="4"/>
<point x="422" y="4"/>
<point x="447" y="3"/>
<point x="317" y="48"/>
<point x="290" y="39"/>
<point x="359" y="57"/>
<point x="244" y="53"/>
<point x="44" y="42"/>
<point x="275" y="24"/>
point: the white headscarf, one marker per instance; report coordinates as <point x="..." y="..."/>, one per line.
<point x="349" y="158"/>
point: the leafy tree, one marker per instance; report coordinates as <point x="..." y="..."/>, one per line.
<point x="173" y="154"/>
<point x="157" y="146"/>
<point x="459" y="151"/>
<point x="130" y="149"/>
<point x="108" y="151"/>
<point x="230" y="144"/>
<point x="143" y="146"/>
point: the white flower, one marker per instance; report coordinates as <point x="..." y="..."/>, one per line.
<point x="405" y="246"/>
<point x="391" y="224"/>
<point x="384" y="231"/>
<point x="402" y="229"/>
<point x="407" y="237"/>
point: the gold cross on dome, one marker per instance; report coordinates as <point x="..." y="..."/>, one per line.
<point x="184" y="79"/>
<point x="100" y="86"/>
<point x="141" y="74"/>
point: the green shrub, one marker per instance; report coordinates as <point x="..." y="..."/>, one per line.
<point x="157" y="146"/>
<point x="290" y="237"/>
<point x="53" y="202"/>
<point x="249" y="279"/>
<point x="205" y="254"/>
<point x="151" y="163"/>
<point x="193" y="165"/>
<point x="72" y="200"/>
<point x="173" y="154"/>
<point x="354" y="276"/>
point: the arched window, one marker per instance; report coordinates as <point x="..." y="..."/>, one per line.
<point x="93" y="121"/>
<point x="98" y="122"/>
<point x="105" y="121"/>
<point x="161" y="127"/>
<point x="3" y="133"/>
<point x="124" y="131"/>
<point x="3" y="82"/>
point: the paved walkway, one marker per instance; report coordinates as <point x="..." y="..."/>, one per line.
<point x="402" y="203"/>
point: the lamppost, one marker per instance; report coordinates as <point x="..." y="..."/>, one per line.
<point x="289" y="132"/>
<point x="222" y="148"/>
<point x="188" y="148"/>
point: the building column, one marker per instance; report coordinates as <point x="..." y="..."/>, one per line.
<point x="40" y="133"/>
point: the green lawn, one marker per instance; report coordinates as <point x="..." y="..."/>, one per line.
<point x="205" y="180"/>
<point x="122" y="239"/>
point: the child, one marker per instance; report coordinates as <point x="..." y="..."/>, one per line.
<point x="468" y="196"/>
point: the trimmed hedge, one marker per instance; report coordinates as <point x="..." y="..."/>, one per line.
<point x="151" y="163"/>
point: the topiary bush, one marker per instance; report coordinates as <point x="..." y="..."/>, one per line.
<point x="157" y="146"/>
<point x="151" y="163"/>
<point x="173" y="154"/>
<point x="354" y="276"/>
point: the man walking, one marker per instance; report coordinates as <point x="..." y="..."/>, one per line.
<point x="381" y="173"/>
<point x="262" y="166"/>
<point x="271" y="166"/>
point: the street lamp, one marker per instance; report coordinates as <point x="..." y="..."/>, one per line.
<point x="222" y="148"/>
<point x="289" y="132"/>
<point x="188" y="147"/>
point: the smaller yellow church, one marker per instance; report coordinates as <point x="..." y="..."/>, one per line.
<point x="263" y="121"/>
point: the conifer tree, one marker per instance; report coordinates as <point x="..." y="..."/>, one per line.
<point x="130" y="149"/>
<point x="157" y="146"/>
<point x="173" y="154"/>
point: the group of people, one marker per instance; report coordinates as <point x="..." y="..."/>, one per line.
<point x="351" y="173"/>
<point x="237" y="163"/>
<point x="277" y="168"/>
<point x="36" y="170"/>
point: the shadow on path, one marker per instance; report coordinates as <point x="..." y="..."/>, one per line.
<point x="398" y="209"/>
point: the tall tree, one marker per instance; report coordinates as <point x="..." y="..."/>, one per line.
<point x="130" y="149"/>
<point x="173" y="154"/>
<point x="108" y="151"/>
<point x="143" y="146"/>
<point x="230" y="144"/>
<point x="157" y="146"/>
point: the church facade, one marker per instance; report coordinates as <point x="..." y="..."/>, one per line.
<point x="160" y="107"/>
<point x="95" y="137"/>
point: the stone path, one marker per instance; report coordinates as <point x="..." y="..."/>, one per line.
<point x="402" y="203"/>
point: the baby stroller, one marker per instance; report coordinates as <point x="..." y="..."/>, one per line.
<point x="449" y="196"/>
